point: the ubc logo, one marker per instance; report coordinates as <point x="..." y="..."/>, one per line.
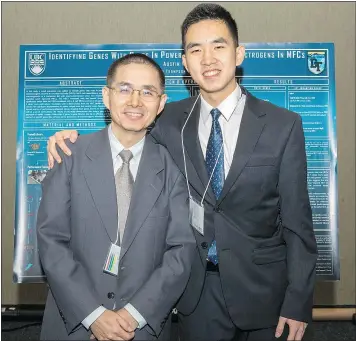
<point x="37" y="63"/>
<point x="316" y="61"/>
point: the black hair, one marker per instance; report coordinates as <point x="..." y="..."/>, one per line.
<point x="134" y="58"/>
<point x="209" y="11"/>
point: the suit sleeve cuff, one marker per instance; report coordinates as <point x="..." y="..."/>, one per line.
<point x="90" y="319"/>
<point x="136" y="315"/>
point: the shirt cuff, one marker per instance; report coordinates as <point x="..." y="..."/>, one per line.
<point x="136" y="315"/>
<point x="89" y="320"/>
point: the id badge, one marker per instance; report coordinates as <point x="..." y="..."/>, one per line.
<point x="196" y="215"/>
<point x="111" y="265"/>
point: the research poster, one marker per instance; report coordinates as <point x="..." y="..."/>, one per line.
<point x="60" y="88"/>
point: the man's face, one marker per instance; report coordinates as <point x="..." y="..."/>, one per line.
<point x="131" y="112"/>
<point x="211" y="57"/>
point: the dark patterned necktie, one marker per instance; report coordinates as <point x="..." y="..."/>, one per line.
<point x="214" y="148"/>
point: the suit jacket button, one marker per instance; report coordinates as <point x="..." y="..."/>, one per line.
<point x="217" y="209"/>
<point x="111" y="295"/>
<point x="204" y="245"/>
<point x="162" y="324"/>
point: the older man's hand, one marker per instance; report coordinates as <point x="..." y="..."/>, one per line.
<point x="111" y="326"/>
<point x="128" y="318"/>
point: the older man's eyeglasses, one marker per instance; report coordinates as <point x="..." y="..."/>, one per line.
<point x="125" y="91"/>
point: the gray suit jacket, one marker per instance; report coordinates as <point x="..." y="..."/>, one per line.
<point x="77" y="221"/>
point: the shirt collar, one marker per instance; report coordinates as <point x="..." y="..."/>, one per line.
<point x="117" y="147"/>
<point x="226" y="107"/>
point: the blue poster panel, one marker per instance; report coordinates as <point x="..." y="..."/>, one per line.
<point x="60" y="88"/>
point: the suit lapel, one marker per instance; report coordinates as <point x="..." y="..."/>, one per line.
<point x="194" y="151"/>
<point x="99" y="175"/>
<point x="251" y="128"/>
<point x="147" y="188"/>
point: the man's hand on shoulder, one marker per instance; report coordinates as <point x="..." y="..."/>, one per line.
<point x="58" y="138"/>
<point x="111" y="326"/>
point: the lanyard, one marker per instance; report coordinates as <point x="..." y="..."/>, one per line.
<point x="184" y="159"/>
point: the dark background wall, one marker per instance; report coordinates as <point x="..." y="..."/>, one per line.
<point x="150" y="22"/>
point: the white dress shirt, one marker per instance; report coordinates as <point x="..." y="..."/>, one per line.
<point x="231" y="110"/>
<point x="136" y="150"/>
